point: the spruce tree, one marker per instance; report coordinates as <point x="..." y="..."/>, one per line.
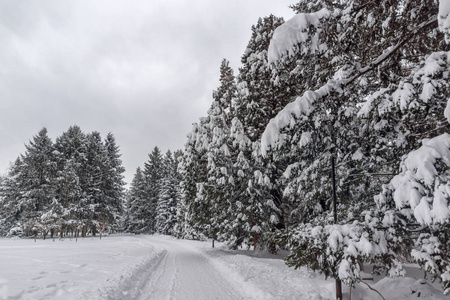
<point x="218" y="191"/>
<point x="71" y="157"/>
<point x="169" y="195"/>
<point x="113" y="184"/>
<point x="153" y="174"/>
<point x="264" y="91"/>
<point x="10" y="195"/>
<point x="193" y="215"/>
<point x="37" y="180"/>
<point x="138" y="218"/>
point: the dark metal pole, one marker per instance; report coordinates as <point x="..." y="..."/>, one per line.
<point x="338" y="281"/>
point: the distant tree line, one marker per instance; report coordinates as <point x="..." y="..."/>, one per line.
<point x="71" y="186"/>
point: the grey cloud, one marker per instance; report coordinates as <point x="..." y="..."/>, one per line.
<point x="144" y="71"/>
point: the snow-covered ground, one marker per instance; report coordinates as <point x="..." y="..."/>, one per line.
<point x="160" y="267"/>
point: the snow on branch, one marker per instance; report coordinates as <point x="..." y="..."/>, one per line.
<point x="422" y="189"/>
<point x="295" y="31"/>
<point x="338" y="250"/>
<point x="272" y="136"/>
<point x="444" y="18"/>
<point x="302" y="106"/>
<point x="426" y="81"/>
<point x="421" y="194"/>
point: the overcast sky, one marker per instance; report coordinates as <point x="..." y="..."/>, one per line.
<point x="143" y="70"/>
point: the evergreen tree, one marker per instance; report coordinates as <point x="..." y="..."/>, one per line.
<point x="113" y="184"/>
<point x="260" y="98"/>
<point x="218" y="191"/>
<point x="192" y="215"/>
<point x="37" y="180"/>
<point x="264" y="91"/>
<point x="153" y="174"/>
<point x="10" y="195"/>
<point x="363" y="111"/>
<point x="138" y="216"/>
<point x="71" y="149"/>
<point x="96" y="207"/>
<point x="246" y="223"/>
<point x="169" y="195"/>
<point x="69" y="195"/>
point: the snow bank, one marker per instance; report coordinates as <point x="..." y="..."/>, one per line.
<point x="267" y="277"/>
<point x="270" y="278"/>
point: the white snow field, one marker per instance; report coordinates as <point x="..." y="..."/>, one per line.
<point x="161" y="267"/>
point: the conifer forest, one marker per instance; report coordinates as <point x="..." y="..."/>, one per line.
<point x="331" y="141"/>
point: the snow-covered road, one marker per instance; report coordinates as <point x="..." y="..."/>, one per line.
<point x="143" y="267"/>
<point x="184" y="273"/>
<point x="161" y="267"/>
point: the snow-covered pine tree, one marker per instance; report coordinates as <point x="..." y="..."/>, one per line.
<point x="263" y="93"/>
<point x="138" y="219"/>
<point x="96" y="207"/>
<point x="68" y="195"/>
<point x="72" y="185"/>
<point x="420" y="197"/>
<point x="10" y="195"/>
<point x="260" y="98"/>
<point x="37" y="181"/>
<point x="247" y="211"/>
<point x="365" y="115"/>
<point x="71" y="157"/>
<point x="113" y="184"/>
<point x="153" y="174"/>
<point x="169" y="195"/>
<point x="219" y="189"/>
<point x="192" y="215"/>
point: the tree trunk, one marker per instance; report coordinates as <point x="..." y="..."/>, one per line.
<point x="255" y="240"/>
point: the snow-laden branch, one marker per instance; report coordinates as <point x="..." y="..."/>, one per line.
<point x="444" y="18"/>
<point x="421" y="193"/>
<point x="294" y="32"/>
<point x="304" y="105"/>
<point x="422" y="176"/>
